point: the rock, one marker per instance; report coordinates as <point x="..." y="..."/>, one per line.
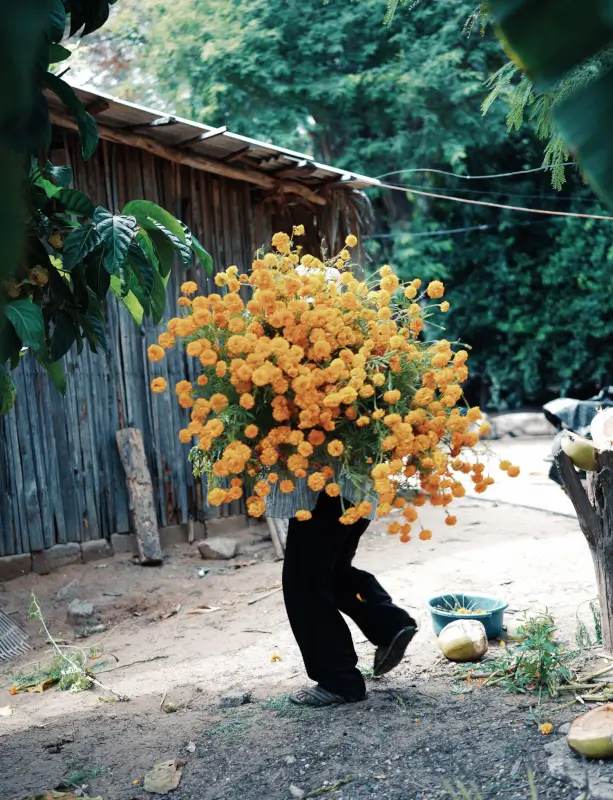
<point x="235" y="699"/>
<point x="80" y="612"/>
<point x="220" y="547"/>
<point x="296" y="792"/>
<point x="564" y="729"/>
<point x="520" y="424"/>
<point x="96" y="550"/>
<point x="15" y="566"/>
<point x="164" y="777"/>
<point x="124" y="543"/>
<point x="70" y="591"/>
<point x="564" y="766"/>
<point x="289" y="760"/>
<point x="56" y="557"/>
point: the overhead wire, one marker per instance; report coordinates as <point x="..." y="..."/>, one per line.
<point x="473" y="177"/>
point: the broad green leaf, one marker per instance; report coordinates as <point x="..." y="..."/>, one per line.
<point x="76" y="202"/>
<point x="50" y="189"/>
<point x="94" y="330"/>
<point x="130" y="301"/>
<point x="148" y="213"/>
<point x="89" y="15"/>
<point x="116" y="233"/>
<point x="98" y="279"/>
<point x="88" y="129"/>
<point x="158" y="298"/>
<point x="142" y="266"/>
<point x="585" y="120"/>
<point x="78" y="244"/>
<point x="182" y="248"/>
<point x="56" y="373"/>
<point x="7" y="392"/>
<point x="63" y="336"/>
<point x="203" y="257"/>
<point x="164" y="249"/>
<point x="57" y="53"/>
<point x="61" y="176"/>
<point x="547" y="38"/>
<point x="57" y="21"/>
<point x="186" y="252"/>
<point x="27" y="320"/>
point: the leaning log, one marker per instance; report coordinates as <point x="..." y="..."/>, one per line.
<point x="595" y="513"/>
<point x="141" y="506"/>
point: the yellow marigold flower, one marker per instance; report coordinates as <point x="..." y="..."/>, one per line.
<point x="183" y="387"/>
<point x="208" y="358"/>
<point x="303" y="516"/>
<point x="287" y="486"/>
<point x="262" y="488"/>
<point x="333" y="490"/>
<point x="185" y="436"/>
<point x="166" y="340"/>
<point x="256" y="508"/>
<point x="158" y="385"/>
<point x="410" y="292"/>
<point x="298" y="230"/>
<point x="189" y="287"/>
<point x="378" y="414"/>
<point x="336" y="448"/>
<point x="351" y="240"/>
<point x="220" y="279"/>
<point x="513" y="472"/>
<point x="504" y="465"/>
<point x="389" y="283"/>
<point x="378" y="379"/>
<point x="435" y="290"/>
<point x="155" y="352"/>
<point x="445" y="306"/>
<point x="344" y="255"/>
<point x="425" y="535"/>
<point x="273" y="477"/>
<point x="251" y="431"/>
<point x="305" y="449"/>
<point x="184" y="302"/>
<point x="392" y="396"/>
<point x="316" y="481"/>
<point x="216" y="497"/>
<point x="221" y="368"/>
<point x="546" y="728"/>
<point x="194" y="349"/>
<point x="362" y="422"/>
<point x="281" y="242"/>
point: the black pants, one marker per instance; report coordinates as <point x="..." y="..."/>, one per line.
<point x="318" y="583"/>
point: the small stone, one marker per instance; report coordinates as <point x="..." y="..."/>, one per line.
<point x="289" y="760"/>
<point x="70" y="591"/>
<point x="220" y="547"/>
<point x="564" y="729"/>
<point x="80" y="612"/>
<point x="296" y="792"/>
<point x="235" y="699"/>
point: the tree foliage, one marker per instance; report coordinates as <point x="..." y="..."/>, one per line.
<point x="328" y="78"/>
<point x="65" y="254"/>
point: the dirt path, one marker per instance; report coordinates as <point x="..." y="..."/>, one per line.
<point x="418" y="727"/>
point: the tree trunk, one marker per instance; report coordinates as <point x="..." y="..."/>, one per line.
<point x="595" y="514"/>
<point x="140" y="495"/>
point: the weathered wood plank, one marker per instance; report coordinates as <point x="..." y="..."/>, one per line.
<point x="51" y="460"/>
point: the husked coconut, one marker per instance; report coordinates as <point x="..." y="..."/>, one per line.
<point x="591" y="734"/>
<point x="463" y="640"/>
<point x="580" y="450"/>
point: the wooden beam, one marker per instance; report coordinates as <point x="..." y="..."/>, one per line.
<point x="202" y="137"/>
<point x="194" y="160"/>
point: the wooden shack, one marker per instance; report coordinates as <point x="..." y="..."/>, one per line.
<point x="61" y="481"/>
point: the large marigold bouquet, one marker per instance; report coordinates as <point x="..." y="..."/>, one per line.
<point x="319" y="376"/>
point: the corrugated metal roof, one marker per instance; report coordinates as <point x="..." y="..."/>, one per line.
<point x="218" y="144"/>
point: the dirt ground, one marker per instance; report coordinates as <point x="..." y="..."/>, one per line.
<point x="420" y="725"/>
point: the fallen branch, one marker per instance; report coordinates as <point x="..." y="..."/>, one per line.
<point x="264" y="596"/>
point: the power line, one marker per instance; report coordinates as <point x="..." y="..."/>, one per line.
<point x="559" y="198"/>
<point x="445" y="231"/>
<point x="548" y="212"/>
<point x="473" y="177"/>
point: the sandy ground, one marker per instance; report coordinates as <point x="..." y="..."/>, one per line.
<point x="417" y="727"/>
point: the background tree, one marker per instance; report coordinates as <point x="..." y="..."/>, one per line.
<point x="329" y="79"/>
<point x="64" y="254"/>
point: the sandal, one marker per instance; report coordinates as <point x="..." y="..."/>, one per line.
<point x="318" y="697"/>
<point x="388" y="658"/>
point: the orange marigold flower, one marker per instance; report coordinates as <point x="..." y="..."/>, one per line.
<point x="333" y="490"/>
<point x="202" y="380"/>
<point x="247" y="401"/>
<point x="546" y="728"/>
<point x="166" y="340"/>
<point x="287" y="486"/>
<point x="158" y="385"/>
<point x="435" y="290"/>
<point x="273" y="477"/>
<point x="303" y="516"/>
<point x="189" y="287"/>
<point x="216" y="497"/>
<point x="451" y="520"/>
<point x="155" y="352"/>
<point x="219" y="402"/>
<point x="251" y="431"/>
<point x="305" y="449"/>
<point x="316" y="481"/>
<point x="425" y="535"/>
<point x="262" y="488"/>
<point x="504" y="465"/>
<point x="256" y="508"/>
<point x="316" y="438"/>
<point x="336" y="448"/>
<point x="281" y="242"/>
<point x="185" y="436"/>
<point x="392" y="396"/>
<point x="513" y="472"/>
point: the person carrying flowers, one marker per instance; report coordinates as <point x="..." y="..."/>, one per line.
<point x="322" y="400"/>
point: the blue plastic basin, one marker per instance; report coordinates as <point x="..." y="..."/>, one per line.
<point x="492" y="619"/>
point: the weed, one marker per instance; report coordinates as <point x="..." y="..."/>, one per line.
<point x="81" y="776"/>
<point x="460" y="792"/>
<point x="233" y="727"/>
<point x="285" y="709"/>
<point x="584" y="636"/>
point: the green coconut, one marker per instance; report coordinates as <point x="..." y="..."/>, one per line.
<point x="463" y="640"/>
<point x="591" y="734"/>
<point x="581" y="451"/>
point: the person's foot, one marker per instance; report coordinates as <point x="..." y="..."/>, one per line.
<point x="318" y="697"/>
<point x="388" y="658"/>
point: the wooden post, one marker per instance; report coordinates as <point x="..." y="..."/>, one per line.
<point x="278" y="534"/>
<point x="140" y="495"/>
<point x="595" y="514"/>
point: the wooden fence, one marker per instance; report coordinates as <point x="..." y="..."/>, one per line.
<point x="60" y="475"/>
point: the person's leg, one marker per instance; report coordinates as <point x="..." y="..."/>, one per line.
<point x="323" y="636"/>
<point x="361" y="597"/>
